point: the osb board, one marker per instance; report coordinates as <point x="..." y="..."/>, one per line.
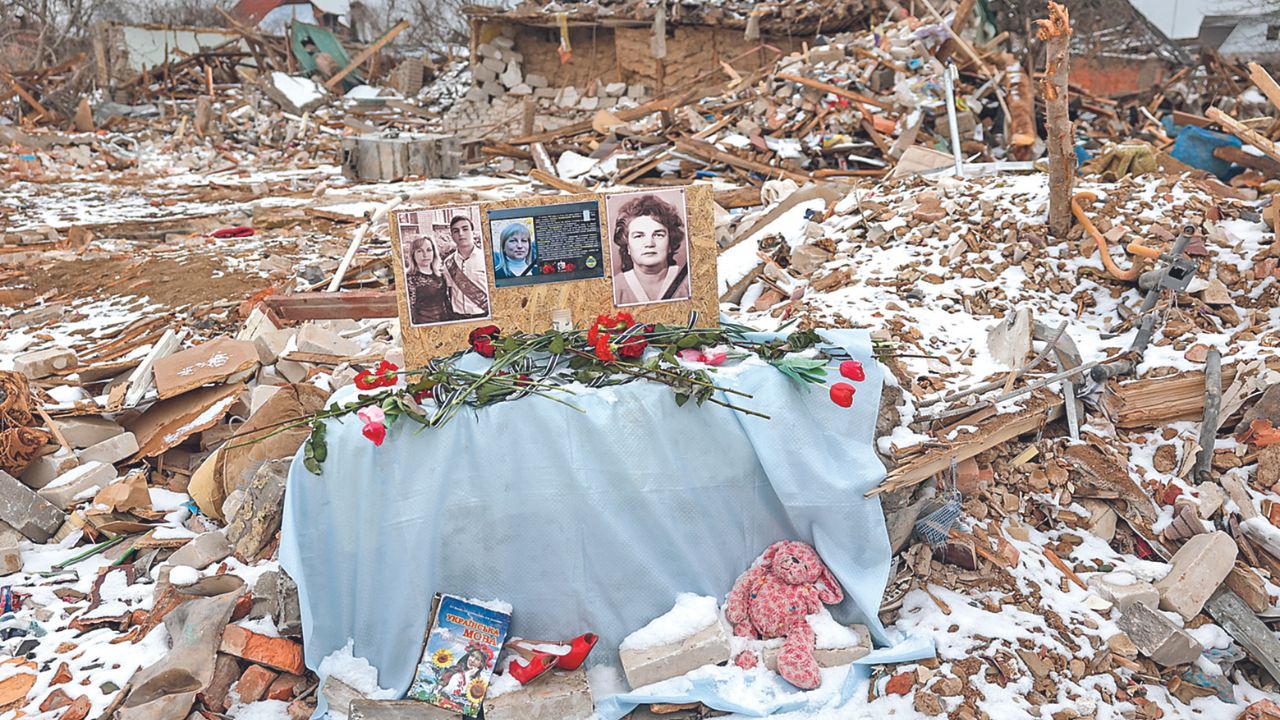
<point x="528" y="308"/>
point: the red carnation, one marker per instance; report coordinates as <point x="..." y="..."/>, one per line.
<point x="603" y="351"/>
<point x="365" y="380"/>
<point x="852" y="369"/>
<point x="633" y="347"/>
<point x="842" y="394"/>
<point x="548" y="269"/>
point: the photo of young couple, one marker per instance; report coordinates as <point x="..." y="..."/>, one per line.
<point x="445" y="272"/>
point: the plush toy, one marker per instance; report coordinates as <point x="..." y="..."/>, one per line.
<point x="774" y="598"/>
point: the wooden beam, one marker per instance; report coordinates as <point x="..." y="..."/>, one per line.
<point x="345" y="305"/>
<point x="547" y="178"/>
<point x="836" y="90"/>
<point x="992" y="432"/>
<point x="1265" y="83"/>
<point x="26" y="96"/>
<point x="711" y="152"/>
<point x="1264" y="165"/>
<point x="1240" y="130"/>
<point x="366" y="54"/>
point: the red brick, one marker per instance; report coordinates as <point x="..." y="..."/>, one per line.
<point x="79" y="709"/>
<point x="57" y="699"/>
<point x="276" y="653"/>
<point x="286" y="687"/>
<point x="62" y="676"/>
<point x="226" y="670"/>
<point x="242" y="608"/>
<point x="968" y="476"/>
<point x="253" y="683"/>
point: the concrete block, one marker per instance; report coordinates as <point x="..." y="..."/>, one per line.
<point x="536" y="81"/>
<point x="111" y="450"/>
<point x="1157" y="637"/>
<point x="27" y="512"/>
<point x="271" y="344"/>
<point x="559" y="696"/>
<point x="45" y="468"/>
<point x="503" y="42"/>
<point x="1122" y="590"/>
<point x="258" y="520"/>
<point x="288" y="615"/>
<point x="1199" y="567"/>
<point x="568" y="97"/>
<point x="483" y="73"/>
<point x="292" y="372"/>
<point x="486" y="50"/>
<point x="339" y="695"/>
<point x="521" y="90"/>
<point x="43" y="363"/>
<point x="316" y="339"/>
<point x="78" y="484"/>
<point x="826" y="54"/>
<point x="636" y="92"/>
<point x="83" y="432"/>
<point x="827" y="657"/>
<point x="708" y="646"/>
<point x="511" y="76"/>
<point x="545" y="93"/>
<point x="494" y="64"/>
<point x="589" y="103"/>
<point x="202" y="551"/>
<point x="617" y="89"/>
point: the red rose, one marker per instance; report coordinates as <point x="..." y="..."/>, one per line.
<point x="633" y="347"/>
<point x="852" y="369"/>
<point x="365" y="380"/>
<point x="423" y="394"/>
<point x="842" y="394"/>
<point x="482" y="340"/>
<point x="376" y="432"/>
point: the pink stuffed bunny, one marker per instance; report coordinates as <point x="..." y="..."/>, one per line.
<point x="773" y="599"/>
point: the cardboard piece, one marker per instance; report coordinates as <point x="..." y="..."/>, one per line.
<point x="167" y="423"/>
<point x="212" y="362"/>
<point x="528" y="308"/>
<point x="126" y="494"/>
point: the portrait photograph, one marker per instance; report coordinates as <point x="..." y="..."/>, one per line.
<point x="515" y="249"/>
<point x="648" y="246"/>
<point x="446" y="276"/>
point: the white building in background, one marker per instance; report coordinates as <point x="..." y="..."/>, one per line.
<point x="1181" y="18"/>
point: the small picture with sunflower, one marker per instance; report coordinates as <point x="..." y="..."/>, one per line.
<point x="458" y="660"/>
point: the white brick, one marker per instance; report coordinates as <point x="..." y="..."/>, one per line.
<point x="617" y="89"/>
<point x="27" y="512"/>
<point x="1157" y="637"/>
<point x="112" y="450"/>
<point x="708" y="646"/>
<point x="522" y="89"/>
<point x="536" y="81"/>
<point x="43" y="363"/>
<point x="45" y="468"/>
<point x="315" y="339"/>
<point x="1199" y="567"/>
<point x="81" y="483"/>
<point x="1123" y="590"/>
<point x="504" y="42"/>
<point x="271" y="344"/>
<point x="558" y="696"/>
<point x="83" y="432"/>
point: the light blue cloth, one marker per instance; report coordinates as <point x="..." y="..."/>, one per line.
<point x="583" y="522"/>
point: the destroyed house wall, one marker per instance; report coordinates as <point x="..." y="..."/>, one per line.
<point x="692" y="51"/>
<point x="1248" y="41"/>
<point x="1113" y="77"/>
<point x="594" y="55"/>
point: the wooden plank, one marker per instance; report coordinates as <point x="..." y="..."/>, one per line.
<point x="1240" y="130"/>
<point x="739" y="198"/>
<point x="547" y="178"/>
<point x="365" y="54"/>
<point x="30" y="100"/>
<point x="836" y="90"/>
<point x="1265" y="83"/>
<point x="345" y="305"/>
<point x="997" y="430"/>
<point x="711" y="152"/>
<point x="1264" y="165"/>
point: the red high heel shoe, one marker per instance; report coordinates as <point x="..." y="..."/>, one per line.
<point x="539" y="665"/>
<point x="571" y="659"/>
<point x="580" y="648"/>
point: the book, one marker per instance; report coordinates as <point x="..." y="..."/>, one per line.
<point x="460" y="653"/>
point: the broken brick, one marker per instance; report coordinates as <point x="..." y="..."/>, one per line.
<point x="276" y="653"/>
<point x="253" y="684"/>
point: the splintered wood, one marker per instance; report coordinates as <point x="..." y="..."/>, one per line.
<point x="1055" y="32"/>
